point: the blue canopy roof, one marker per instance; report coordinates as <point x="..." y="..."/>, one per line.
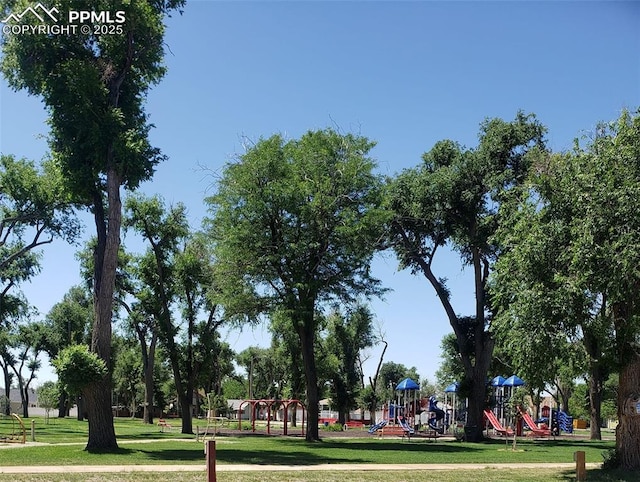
<point x="498" y="381"/>
<point x="407" y="384"/>
<point x="513" y="381"/>
<point x="453" y="388"/>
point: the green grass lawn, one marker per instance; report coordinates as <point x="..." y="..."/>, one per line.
<point x="64" y="440"/>
<point x="480" y="475"/>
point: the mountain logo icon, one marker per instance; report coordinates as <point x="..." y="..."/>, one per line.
<point x="39" y="11"/>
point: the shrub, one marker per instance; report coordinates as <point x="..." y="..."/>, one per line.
<point x="610" y="459"/>
<point x="333" y="427"/>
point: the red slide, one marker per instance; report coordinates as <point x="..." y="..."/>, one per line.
<point x="535" y="430"/>
<point x="497" y="426"/>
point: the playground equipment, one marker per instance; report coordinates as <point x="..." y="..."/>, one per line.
<point x="503" y="392"/>
<point x="399" y="418"/>
<point x="438" y="420"/>
<point x="377" y="426"/>
<point x="557" y="420"/>
<point x="458" y="418"/>
<point x="12" y="429"/>
<point x="535" y="431"/>
<point x="406" y="402"/>
<point x="564" y="420"/>
<point x="497" y="426"/>
<point x="268" y="406"/>
<point x="553" y="420"/>
<point x="213" y="421"/>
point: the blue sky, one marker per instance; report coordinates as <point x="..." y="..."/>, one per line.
<point x="405" y="74"/>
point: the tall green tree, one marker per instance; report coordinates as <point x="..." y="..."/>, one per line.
<point x="176" y="273"/>
<point x="35" y="208"/>
<point x="588" y="200"/>
<point x="266" y="372"/>
<point x="94" y="88"/>
<point x="128" y="380"/>
<point x="143" y="324"/>
<point x="452" y="200"/>
<point x="13" y="308"/>
<point x="294" y="226"/>
<point x="566" y="330"/>
<point x="347" y="336"/>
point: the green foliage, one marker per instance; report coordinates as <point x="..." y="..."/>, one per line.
<point x="127" y="373"/>
<point x="172" y="282"/>
<point x="69" y="321"/>
<point x="332" y="427"/>
<point x="392" y="373"/>
<point x="611" y="460"/>
<point x="454" y="200"/>
<point x="48" y="394"/>
<point x="76" y="367"/>
<point x="234" y="388"/>
<point x="297" y="218"/>
<point x="266" y="370"/>
<point x="294" y="227"/>
<point x="450" y="369"/>
<point x="579" y="402"/>
<point x="103" y="81"/>
<point x="48" y="397"/>
<point x="34" y="209"/>
<point x="346" y="337"/>
<point x="519" y="398"/>
<point x="570" y="267"/>
<point x="217" y="404"/>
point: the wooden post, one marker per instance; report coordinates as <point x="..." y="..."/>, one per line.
<point x="210" y="450"/>
<point x="581" y="471"/>
<point x="33" y="430"/>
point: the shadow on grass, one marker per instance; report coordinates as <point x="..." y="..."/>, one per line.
<point x="600" y="475"/>
<point x="293" y="452"/>
<point x="264" y="450"/>
<point x="177" y="455"/>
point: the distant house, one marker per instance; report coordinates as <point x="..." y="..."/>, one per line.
<point x="16" y="400"/>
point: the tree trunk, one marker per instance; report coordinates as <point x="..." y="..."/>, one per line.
<point x="63" y="406"/>
<point x="100" y="416"/>
<point x="306" y="332"/>
<point x="595" y="402"/>
<point x="475" y="372"/>
<point x="628" y="431"/>
<point x="374" y="385"/>
<point x="476" y="381"/>
<point x="476" y="357"/>
<point x="185" y="412"/>
<point x="98" y="394"/>
<point x="25" y="402"/>
<point x="80" y="408"/>
<point x="7" y="388"/>
<point x="596" y="380"/>
<point x="148" y="363"/>
<point x="147" y="415"/>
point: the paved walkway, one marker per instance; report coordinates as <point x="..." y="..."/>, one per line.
<point x="264" y="468"/>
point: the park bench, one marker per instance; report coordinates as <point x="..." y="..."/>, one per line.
<point x="353" y="424"/>
<point x="395" y="430"/>
<point x="164" y="425"/>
